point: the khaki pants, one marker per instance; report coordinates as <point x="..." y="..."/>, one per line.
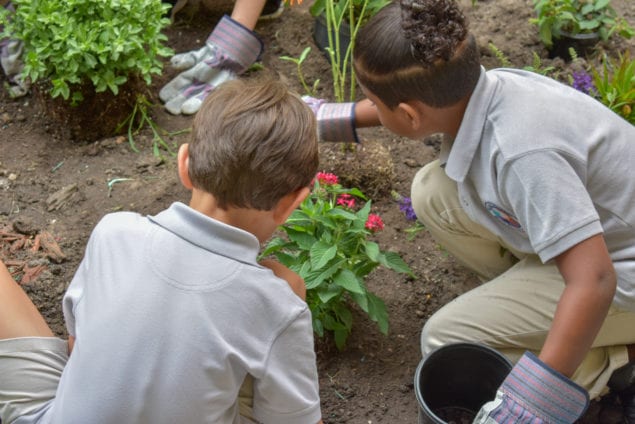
<point x="30" y="370"/>
<point x="513" y="309"/>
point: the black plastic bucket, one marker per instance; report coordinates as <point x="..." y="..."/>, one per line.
<point x="455" y="380"/>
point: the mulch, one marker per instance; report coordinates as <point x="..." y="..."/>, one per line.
<point x="27" y="251"/>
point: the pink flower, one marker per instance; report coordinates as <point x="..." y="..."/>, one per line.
<point x="346" y="200"/>
<point x="374" y="223"/>
<point x="326" y="178"/>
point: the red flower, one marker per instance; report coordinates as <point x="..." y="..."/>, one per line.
<point x="346" y="200"/>
<point x="374" y="223"/>
<point x="326" y="178"/>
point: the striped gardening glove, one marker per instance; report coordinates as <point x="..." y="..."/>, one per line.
<point x="336" y="121"/>
<point x="533" y="393"/>
<point x="229" y="50"/>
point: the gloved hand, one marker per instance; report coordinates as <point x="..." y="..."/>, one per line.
<point x="229" y="50"/>
<point x="336" y="121"/>
<point x="11" y="62"/>
<point x="533" y="393"/>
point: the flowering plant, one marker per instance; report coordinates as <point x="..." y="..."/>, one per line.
<point x="326" y="241"/>
<point x="405" y="206"/>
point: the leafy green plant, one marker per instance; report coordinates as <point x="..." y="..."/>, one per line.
<point x="355" y="13"/>
<point x="615" y="86"/>
<point x="556" y="18"/>
<point x="327" y="242"/>
<point x="102" y="42"/>
<point x="299" y="61"/>
<point x="343" y="19"/>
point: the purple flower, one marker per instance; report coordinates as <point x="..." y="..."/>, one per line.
<point x="582" y="82"/>
<point x="405" y="206"/>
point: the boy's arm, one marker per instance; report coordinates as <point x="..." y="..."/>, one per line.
<point x="293" y="279"/>
<point x="540" y="387"/>
<point x="590" y="282"/>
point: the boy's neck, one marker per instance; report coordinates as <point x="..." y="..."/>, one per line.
<point x="259" y="223"/>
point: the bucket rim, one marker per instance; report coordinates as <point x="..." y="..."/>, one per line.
<point x="435" y="352"/>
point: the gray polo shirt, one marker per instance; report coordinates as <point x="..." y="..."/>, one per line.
<point x="545" y="167"/>
<point x="170" y="313"/>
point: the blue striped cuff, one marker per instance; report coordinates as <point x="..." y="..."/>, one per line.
<point x="336" y="122"/>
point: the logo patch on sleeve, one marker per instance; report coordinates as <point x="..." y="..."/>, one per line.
<point x="502" y="215"/>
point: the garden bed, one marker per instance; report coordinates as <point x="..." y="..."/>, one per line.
<point x="54" y="189"/>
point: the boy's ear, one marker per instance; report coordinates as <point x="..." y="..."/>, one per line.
<point x="412" y="114"/>
<point x="288" y="203"/>
<point x="183" y="160"/>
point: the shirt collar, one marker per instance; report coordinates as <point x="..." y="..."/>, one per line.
<point x="208" y="233"/>
<point x="457" y="154"/>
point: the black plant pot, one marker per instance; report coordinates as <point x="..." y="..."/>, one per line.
<point x="583" y="44"/>
<point x="455" y="380"/>
<point x="321" y="37"/>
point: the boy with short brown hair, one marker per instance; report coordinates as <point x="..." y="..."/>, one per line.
<point x="170" y="314"/>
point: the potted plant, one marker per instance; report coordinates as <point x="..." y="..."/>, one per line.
<point x="577" y="23"/>
<point x="88" y="59"/>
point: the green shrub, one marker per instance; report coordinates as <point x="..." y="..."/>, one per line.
<point x="73" y="42"/>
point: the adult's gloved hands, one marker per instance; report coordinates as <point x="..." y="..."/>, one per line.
<point x="229" y="50"/>
<point x="533" y="393"/>
<point x="12" y="64"/>
<point x="336" y="121"/>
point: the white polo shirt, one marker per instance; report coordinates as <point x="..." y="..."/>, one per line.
<point x="544" y="167"/>
<point x="170" y="313"/>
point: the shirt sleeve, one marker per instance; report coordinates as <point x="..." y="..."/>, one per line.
<point x="75" y="290"/>
<point x="288" y="393"/>
<point x="547" y="192"/>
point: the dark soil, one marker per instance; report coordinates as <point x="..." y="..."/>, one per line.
<point x="54" y="189"/>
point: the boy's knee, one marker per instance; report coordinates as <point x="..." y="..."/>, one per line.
<point x="431" y="336"/>
<point x="443" y="327"/>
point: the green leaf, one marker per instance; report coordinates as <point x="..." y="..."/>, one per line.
<point x="341" y="213"/>
<point x="340" y="337"/>
<point x="286" y="259"/>
<point x="377" y="312"/>
<point x="349" y="281"/>
<point x="372" y="250"/>
<point x="304" y="240"/>
<point x="326" y="294"/>
<point x="393" y="261"/>
<point x="318" y="327"/>
<point x="320" y="254"/>
<point x="274" y="245"/>
<point x="361" y="300"/>
<point x="317" y="278"/>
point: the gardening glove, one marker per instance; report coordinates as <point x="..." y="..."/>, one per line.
<point x="336" y="121"/>
<point x="229" y="50"/>
<point x="533" y="393"/>
<point x="11" y="62"/>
